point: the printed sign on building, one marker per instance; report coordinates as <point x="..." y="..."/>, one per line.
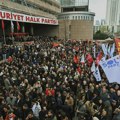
<point x="5" y="15"/>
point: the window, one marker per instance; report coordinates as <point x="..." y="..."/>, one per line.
<point x="76" y="17"/>
<point x="73" y="17"/>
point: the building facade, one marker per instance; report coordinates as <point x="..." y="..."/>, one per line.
<point x="75" y="21"/>
<point x="113" y="15"/>
<point x="100" y="26"/>
<point x="34" y="16"/>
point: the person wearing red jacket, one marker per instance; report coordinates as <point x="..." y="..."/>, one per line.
<point x="10" y="116"/>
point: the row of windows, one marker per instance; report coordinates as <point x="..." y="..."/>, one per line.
<point x="78" y="18"/>
<point x="74" y="2"/>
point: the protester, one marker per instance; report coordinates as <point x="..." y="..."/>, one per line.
<point x="47" y="80"/>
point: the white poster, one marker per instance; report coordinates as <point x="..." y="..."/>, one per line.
<point x="111" y="67"/>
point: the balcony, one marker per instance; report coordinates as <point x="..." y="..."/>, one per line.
<point x="56" y="3"/>
<point x="24" y="9"/>
<point x="45" y="5"/>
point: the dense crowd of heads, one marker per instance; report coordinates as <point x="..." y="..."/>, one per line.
<point x="41" y="81"/>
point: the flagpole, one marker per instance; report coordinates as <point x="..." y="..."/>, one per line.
<point x="12" y="38"/>
<point x="4" y="36"/>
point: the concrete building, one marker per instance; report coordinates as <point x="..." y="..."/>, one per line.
<point x="75" y="21"/>
<point x="37" y="17"/>
<point x="113" y="15"/>
<point x="100" y="25"/>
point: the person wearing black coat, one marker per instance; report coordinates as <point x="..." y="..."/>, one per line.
<point x="43" y="113"/>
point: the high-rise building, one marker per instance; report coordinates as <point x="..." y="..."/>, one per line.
<point x="113" y="15"/>
<point x="34" y="16"/>
<point x="75" y="21"/>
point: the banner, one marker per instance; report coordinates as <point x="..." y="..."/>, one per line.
<point x="97" y="74"/>
<point x="111" y="67"/>
<point x="117" y="41"/>
<point x="6" y="15"/>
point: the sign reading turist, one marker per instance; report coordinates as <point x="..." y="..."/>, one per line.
<point x="5" y="15"/>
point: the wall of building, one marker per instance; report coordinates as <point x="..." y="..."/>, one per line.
<point x="113" y="15"/>
<point x="38" y="8"/>
<point x="76" y="25"/>
<point x="31" y="29"/>
<point x="42" y="9"/>
<point x="46" y="30"/>
<point x="76" y="29"/>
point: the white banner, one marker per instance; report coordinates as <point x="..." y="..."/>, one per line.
<point x="111" y="67"/>
<point x="6" y="15"/>
<point x="97" y="74"/>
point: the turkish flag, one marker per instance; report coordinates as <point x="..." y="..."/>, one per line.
<point x="75" y="59"/>
<point x="99" y="57"/>
<point x="56" y="44"/>
<point x="79" y="70"/>
<point x="18" y="26"/>
<point x="89" y="59"/>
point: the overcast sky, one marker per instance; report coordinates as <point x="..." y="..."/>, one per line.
<point x="99" y="7"/>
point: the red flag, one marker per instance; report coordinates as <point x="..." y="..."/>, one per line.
<point x="18" y="26"/>
<point x="99" y="57"/>
<point x="56" y="44"/>
<point x="3" y="26"/>
<point x="89" y="59"/>
<point x="79" y="70"/>
<point x="75" y="59"/>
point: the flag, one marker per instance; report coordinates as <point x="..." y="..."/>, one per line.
<point x="12" y="27"/>
<point x="99" y="57"/>
<point x="112" y="50"/>
<point x="3" y="26"/>
<point x="93" y="67"/>
<point x="111" y="68"/>
<point x="18" y="26"/>
<point x="104" y="48"/>
<point x="108" y="50"/>
<point x="96" y="74"/>
<point x="79" y="70"/>
<point x="55" y="44"/>
<point x="75" y="59"/>
<point x="82" y="59"/>
<point x="89" y="59"/>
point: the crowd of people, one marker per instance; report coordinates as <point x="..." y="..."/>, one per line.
<point x="42" y="81"/>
